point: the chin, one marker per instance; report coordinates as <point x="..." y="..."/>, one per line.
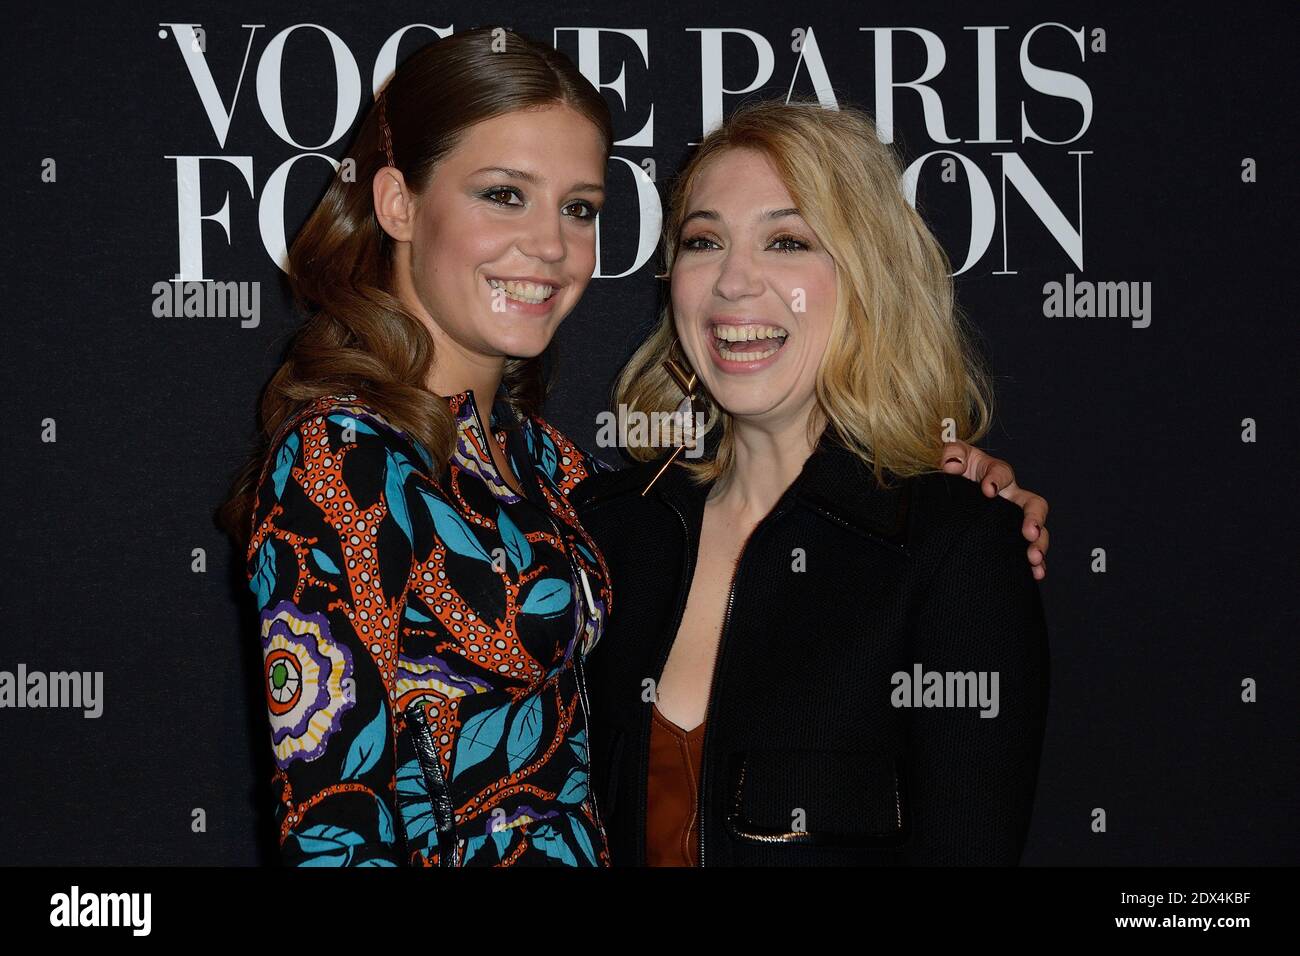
<point x="524" y="346"/>
<point x="742" y="402"/>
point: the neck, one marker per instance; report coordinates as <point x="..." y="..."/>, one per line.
<point x="769" y="455"/>
<point x="483" y="383"/>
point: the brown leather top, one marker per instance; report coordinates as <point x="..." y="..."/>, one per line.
<point x="672" y="834"/>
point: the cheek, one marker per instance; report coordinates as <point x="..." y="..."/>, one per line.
<point x="687" y="290"/>
<point x="822" y="295"/>
<point x="454" y="250"/>
<point x="579" y="263"/>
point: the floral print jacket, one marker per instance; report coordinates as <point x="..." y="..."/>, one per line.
<point x="422" y="638"/>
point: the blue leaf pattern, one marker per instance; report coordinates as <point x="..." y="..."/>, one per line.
<point x="324" y="562"/>
<point x="548" y="840"/>
<point x="414" y="803"/>
<point x="525" y="733"/>
<point x="263" y="580"/>
<point x="472" y="846"/>
<point x="327" y="845"/>
<point x="502" y="839"/>
<point x="548" y="596"/>
<point x="395" y="471"/>
<point x="518" y="549"/>
<point x="578" y="742"/>
<point x="385" y="822"/>
<point x="367" y="746"/>
<point x="479" y="737"/>
<point x="549" y="458"/>
<point x="575" y="788"/>
<point x="452" y="529"/>
<point x="580" y="837"/>
<point x="283" y="462"/>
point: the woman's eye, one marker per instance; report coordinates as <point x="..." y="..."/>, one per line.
<point x="585" y="210"/>
<point x="789" y="244"/>
<point x="691" y="242"/>
<point x="503" y="191"/>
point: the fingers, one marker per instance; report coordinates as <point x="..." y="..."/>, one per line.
<point x="1034" y="528"/>
<point x="1035" y="509"/>
<point x="996" y="478"/>
<point x="1037" y="555"/>
<point x="962" y="458"/>
<point x="954" y="456"/>
<point x="1040" y="546"/>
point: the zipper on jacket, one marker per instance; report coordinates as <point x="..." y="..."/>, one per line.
<point x="683" y="588"/>
<point x="776" y="511"/>
<point x="426" y="753"/>
<point x="579" y="672"/>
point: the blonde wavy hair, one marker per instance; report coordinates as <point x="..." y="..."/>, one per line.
<point x="899" y="361"/>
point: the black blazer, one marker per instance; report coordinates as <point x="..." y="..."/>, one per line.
<point x="808" y="760"/>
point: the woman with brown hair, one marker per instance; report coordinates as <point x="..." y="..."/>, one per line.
<point x="426" y="591"/>
<point x="424" y="587"/>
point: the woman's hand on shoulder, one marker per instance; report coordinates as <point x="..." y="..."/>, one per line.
<point x="996" y="478"/>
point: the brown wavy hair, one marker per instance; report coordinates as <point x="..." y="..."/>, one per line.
<point x="357" y="338"/>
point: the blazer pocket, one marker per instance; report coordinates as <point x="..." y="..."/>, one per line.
<point x="818" y="798"/>
<point x="423" y="796"/>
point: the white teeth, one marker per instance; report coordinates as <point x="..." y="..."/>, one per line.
<point x="728" y="352"/>
<point x="524" y="291"/>
<point x="748" y="333"/>
<point x="731" y="356"/>
<point x="728" y="334"/>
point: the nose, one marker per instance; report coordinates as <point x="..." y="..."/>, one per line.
<point x="738" y="275"/>
<point x="543" y="237"/>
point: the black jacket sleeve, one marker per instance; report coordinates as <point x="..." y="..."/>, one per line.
<point x="972" y="778"/>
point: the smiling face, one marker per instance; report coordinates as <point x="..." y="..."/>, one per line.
<point x="500" y="244"/>
<point x="753" y="291"/>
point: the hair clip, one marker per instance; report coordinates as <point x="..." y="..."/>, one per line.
<point x="385" y="131"/>
<point x="687" y="384"/>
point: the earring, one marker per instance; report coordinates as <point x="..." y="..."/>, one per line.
<point x="663" y="275"/>
<point x="685" y="413"/>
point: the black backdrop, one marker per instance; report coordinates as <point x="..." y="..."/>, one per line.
<point x="1133" y="431"/>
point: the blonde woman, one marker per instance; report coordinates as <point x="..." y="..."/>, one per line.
<point x="423" y="589"/>
<point x="825" y="650"/>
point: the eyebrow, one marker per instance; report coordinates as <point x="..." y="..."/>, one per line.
<point x="537" y="180"/>
<point x="712" y="214"/>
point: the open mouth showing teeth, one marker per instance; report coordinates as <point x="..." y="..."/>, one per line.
<point x="748" y="343"/>
<point x="529" y="292"/>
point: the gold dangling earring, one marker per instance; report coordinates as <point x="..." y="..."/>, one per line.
<point x="685" y="413"/>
